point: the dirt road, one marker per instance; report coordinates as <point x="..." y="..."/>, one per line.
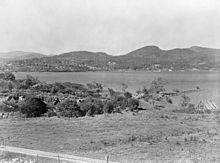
<point x="56" y="156"/>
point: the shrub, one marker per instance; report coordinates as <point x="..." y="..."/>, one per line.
<point x="120" y="102"/>
<point x="176" y="90"/>
<point x="9" y="76"/>
<point x="108" y="107"/>
<point x="133" y="104"/>
<point x="33" y="107"/>
<point x="97" y="87"/>
<point x="69" y="108"/>
<point x="92" y="106"/>
<point x="168" y="99"/>
<point x="54" y="90"/>
<point x="127" y="95"/>
<point x="50" y="113"/>
<point x="8" y="107"/>
<point x="30" y="81"/>
<point x="10" y="86"/>
<point x="145" y="91"/>
<point x="6" y="85"/>
<point x="185" y="100"/>
<point x="2" y="76"/>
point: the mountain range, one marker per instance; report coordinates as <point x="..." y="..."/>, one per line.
<point x="145" y="58"/>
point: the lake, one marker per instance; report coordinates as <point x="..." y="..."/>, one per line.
<point x="209" y="82"/>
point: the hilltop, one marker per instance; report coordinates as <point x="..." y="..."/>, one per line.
<point x="21" y="55"/>
<point x="150" y="58"/>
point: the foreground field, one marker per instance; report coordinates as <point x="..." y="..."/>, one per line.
<point x="156" y="135"/>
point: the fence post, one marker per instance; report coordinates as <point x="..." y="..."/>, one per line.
<point x="58" y="158"/>
<point x="107" y="159"/>
<point x="37" y="158"/>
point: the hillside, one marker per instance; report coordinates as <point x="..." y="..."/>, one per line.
<point x="150" y="58"/>
<point x="95" y="59"/>
<point x="21" y="55"/>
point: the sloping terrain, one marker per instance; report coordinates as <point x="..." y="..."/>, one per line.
<point x="155" y="135"/>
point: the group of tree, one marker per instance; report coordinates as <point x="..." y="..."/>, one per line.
<point x="33" y="104"/>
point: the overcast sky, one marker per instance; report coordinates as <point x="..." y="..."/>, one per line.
<point x="112" y="26"/>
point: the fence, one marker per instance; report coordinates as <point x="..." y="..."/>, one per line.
<point x="57" y="157"/>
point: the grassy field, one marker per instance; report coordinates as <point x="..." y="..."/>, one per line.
<point x="159" y="135"/>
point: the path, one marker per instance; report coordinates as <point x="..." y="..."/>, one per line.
<point x="63" y="157"/>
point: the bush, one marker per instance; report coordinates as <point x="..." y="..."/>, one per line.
<point x="69" y="108"/>
<point x="176" y="90"/>
<point x="50" y="113"/>
<point x="92" y="106"/>
<point x="6" y="85"/>
<point x="133" y="104"/>
<point x="97" y="87"/>
<point x="33" y="107"/>
<point x="30" y="81"/>
<point x="9" y="76"/>
<point x="120" y="102"/>
<point x="185" y="100"/>
<point x="127" y="95"/>
<point x="54" y="90"/>
<point x="168" y="99"/>
<point x="8" y="107"/>
<point x="108" y="107"/>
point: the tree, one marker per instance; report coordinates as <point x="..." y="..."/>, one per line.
<point x="157" y="85"/>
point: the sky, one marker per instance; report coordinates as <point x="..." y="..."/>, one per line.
<point x="112" y="26"/>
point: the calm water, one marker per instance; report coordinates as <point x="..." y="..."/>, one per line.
<point x="209" y="82"/>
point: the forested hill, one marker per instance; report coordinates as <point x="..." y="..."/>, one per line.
<point x="150" y="58"/>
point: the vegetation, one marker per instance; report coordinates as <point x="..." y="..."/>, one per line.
<point x="33" y="107"/>
<point x="34" y="98"/>
<point x="185" y="101"/>
<point x="69" y="108"/>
